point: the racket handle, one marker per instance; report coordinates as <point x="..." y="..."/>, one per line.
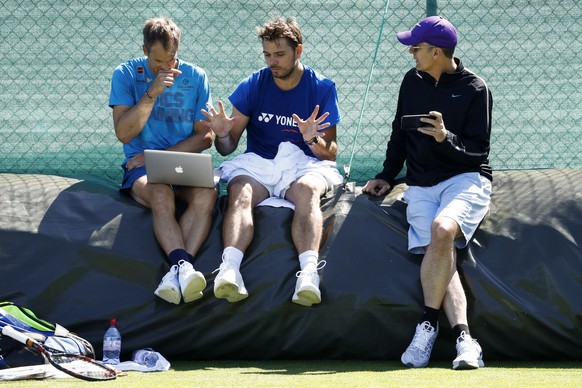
<point x="9" y="331"/>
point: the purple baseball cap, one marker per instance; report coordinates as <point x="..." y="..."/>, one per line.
<point x="434" y="30"/>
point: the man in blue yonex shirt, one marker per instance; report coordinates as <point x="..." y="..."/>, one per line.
<point x="156" y="101"/>
<point x="448" y="175"/>
<point x="291" y="152"/>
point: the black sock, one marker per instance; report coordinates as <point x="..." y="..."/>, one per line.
<point x="431" y="315"/>
<point x="178" y="254"/>
<point x="458" y="329"/>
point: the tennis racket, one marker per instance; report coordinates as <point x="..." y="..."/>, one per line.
<point x="75" y="365"/>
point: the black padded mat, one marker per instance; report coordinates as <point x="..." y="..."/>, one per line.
<point x="78" y="252"/>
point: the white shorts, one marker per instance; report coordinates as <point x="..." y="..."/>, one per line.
<point x="279" y="173"/>
<point x="465" y="198"/>
<point x="279" y="189"/>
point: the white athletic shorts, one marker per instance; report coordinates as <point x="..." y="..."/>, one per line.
<point x="279" y="173"/>
<point x="465" y="198"/>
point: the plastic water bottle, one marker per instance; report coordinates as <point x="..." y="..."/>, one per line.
<point x="147" y="357"/>
<point x="111" y="344"/>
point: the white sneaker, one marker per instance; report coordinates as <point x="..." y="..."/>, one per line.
<point x="192" y="282"/>
<point x="229" y="284"/>
<point x="169" y="287"/>
<point x="418" y="352"/>
<point x="469" y="353"/>
<point x="307" y="287"/>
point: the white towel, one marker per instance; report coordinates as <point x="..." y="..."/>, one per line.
<point x="277" y="174"/>
<point x="277" y="202"/>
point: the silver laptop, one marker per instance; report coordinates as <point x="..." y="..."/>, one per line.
<point x="180" y="168"/>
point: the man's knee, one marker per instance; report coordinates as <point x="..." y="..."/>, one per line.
<point x="308" y="189"/>
<point x="152" y="195"/>
<point x="244" y="191"/>
<point x="200" y="196"/>
<point x="444" y="229"/>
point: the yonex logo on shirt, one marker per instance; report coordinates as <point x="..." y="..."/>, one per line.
<point x="266" y="117"/>
<point x="279" y="120"/>
<point x="285" y="121"/>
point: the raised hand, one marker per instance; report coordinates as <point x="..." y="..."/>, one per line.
<point x="218" y="121"/>
<point x="312" y="126"/>
<point x="164" y="79"/>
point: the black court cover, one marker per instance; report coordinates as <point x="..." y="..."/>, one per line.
<point x="77" y="252"/>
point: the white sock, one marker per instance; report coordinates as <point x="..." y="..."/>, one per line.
<point x="233" y="256"/>
<point x="308" y="261"/>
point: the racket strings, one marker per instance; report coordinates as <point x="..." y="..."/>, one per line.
<point x="82" y="367"/>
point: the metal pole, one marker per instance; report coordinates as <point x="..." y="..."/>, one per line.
<point x="431" y="7"/>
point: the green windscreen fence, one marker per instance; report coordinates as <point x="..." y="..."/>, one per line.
<point x="57" y="57"/>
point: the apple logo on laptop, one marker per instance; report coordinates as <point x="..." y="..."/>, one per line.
<point x="179" y="169"/>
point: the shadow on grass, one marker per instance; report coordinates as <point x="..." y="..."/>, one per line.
<point x="302" y="367"/>
<point x="292" y="367"/>
<point x="331" y="367"/>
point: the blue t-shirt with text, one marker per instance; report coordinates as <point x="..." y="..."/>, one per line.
<point x="175" y="110"/>
<point x="270" y="109"/>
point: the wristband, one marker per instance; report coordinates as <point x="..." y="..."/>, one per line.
<point x="147" y="94"/>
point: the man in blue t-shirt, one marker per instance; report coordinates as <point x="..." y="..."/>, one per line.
<point x="291" y="152"/>
<point x="157" y="101"/>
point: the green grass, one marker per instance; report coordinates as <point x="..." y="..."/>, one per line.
<point x="337" y="374"/>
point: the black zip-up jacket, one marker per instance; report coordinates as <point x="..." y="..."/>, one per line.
<point x="466" y="103"/>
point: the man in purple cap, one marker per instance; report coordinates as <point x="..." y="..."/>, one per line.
<point x="448" y="174"/>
